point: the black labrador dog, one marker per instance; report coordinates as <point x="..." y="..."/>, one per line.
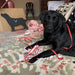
<point x="55" y="33"/>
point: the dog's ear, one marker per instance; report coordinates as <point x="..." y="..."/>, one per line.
<point x="42" y="15"/>
<point x="62" y="20"/>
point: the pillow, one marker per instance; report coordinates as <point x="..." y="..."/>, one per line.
<point x="67" y="9"/>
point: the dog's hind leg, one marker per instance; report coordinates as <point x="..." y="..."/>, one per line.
<point x="68" y="52"/>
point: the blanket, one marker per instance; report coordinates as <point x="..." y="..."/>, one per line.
<point x="12" y="45"/>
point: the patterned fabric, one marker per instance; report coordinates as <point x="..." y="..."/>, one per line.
<point x="11" y="47"/>
<point x="68" y="10"/>
<point x="71" y="20"/>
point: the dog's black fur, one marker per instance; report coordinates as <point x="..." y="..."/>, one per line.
<point x="15" y="21"/>
<point x="55" y="33"/>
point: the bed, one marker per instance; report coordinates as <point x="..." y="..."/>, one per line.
<point x="12" y="45"/>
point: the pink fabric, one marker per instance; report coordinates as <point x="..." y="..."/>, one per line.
<point x="33" y="26"/>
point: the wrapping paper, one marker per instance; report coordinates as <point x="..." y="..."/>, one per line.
<point x="33" y="26"/>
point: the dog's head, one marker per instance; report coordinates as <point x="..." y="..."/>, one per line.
<point x="3" y="14"/>
<point x="52" y="20"/>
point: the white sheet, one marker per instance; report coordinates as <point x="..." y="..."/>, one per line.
<point x="53" y="5"/>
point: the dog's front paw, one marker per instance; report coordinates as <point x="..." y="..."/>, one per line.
<point x="28" y="47"/>
<point x="33" y="60"/>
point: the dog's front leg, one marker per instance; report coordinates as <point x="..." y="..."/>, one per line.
<point x="40" y="43"/>
<point x="46" y="53"/>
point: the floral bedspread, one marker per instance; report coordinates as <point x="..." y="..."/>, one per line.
<point x="12" y="44"/>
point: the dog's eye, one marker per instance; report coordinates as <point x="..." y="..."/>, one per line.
<point x="48" y="17"/>
<point x="54" y="17"/>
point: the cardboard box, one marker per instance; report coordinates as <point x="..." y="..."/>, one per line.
<point x="14" y="13"/>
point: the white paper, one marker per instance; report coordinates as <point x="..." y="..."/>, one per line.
<point x="53" y="5"/>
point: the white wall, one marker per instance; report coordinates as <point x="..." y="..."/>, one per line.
<point x="22" y="3"/>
